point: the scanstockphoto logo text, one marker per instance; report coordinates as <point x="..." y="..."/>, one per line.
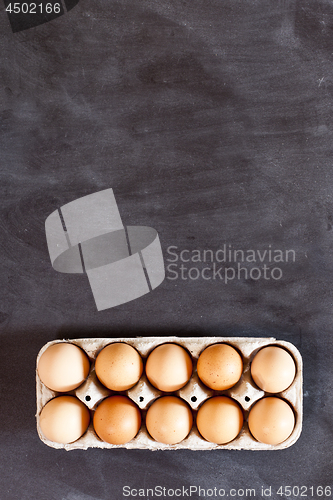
<point x="227" y="263"/>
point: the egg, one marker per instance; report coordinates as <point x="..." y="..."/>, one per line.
<point x="64" y="419"/>
<point x="63" y="367"/>
<point x="220" y="420"/>
<point x="271" y="420"/>
<point x="273" y="369"/>
<point x="117" y="420"/>
<point x="169" y="367"/>
<point x="118" y="366"/>
<point x="220" y="366"/>
<point x="169" y="420"/>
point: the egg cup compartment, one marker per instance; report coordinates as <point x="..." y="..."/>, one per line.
<point x="91" y="392"/>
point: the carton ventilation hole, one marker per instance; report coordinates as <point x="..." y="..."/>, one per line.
<point x="247" y="399"/>
<point x="87" y="398"/>
<point x="141" y="398"/>
<point x="193" y="398"/>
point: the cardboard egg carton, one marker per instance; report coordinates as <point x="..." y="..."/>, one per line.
<point x="245" y="392"/>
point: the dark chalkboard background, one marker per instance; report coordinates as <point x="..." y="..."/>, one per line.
<point x="212" y="122"/>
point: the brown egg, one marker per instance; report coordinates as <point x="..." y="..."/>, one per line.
<point x="273" y="369"/>
<point x="220" y="366"/>
<point x="220" y="419"/>
<point x="169" y="367"/>
<point x="169" y="420"/>
<point x="64" y="419"/>
<point x="63" y="367"/>
<point x="119" y="366"/>
<point x="271" y="420"/>
<point x="117" y="420"/>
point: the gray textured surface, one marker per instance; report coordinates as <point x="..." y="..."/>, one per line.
<point x="212" y="122"/>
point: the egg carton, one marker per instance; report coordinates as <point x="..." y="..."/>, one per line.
<point x="245" y="392"/>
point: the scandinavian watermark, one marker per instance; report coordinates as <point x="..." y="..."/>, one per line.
<point x="265" y="491"/>
<point x="187" y="491"/>
<point x="227" y="263"/>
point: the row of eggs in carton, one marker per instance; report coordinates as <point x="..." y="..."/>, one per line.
<point x="169" y="393"/>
